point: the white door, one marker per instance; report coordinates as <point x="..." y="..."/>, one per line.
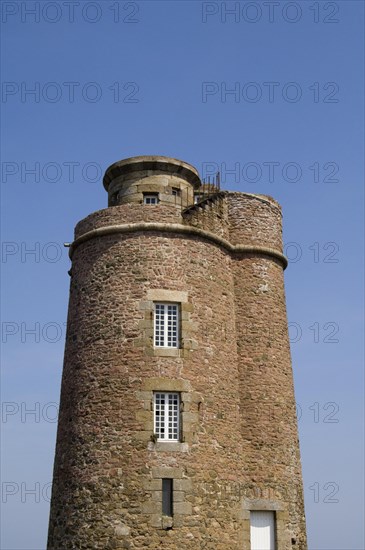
<point x="262" y="530"/>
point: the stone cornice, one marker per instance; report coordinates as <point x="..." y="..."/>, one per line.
<point x="178" y="228"/>
<point x="165" y="164"/>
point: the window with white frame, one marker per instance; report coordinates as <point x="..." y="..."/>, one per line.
<point x="166" y="325"/>
<point x="150" y="198"/>
<point x="167" y="416"/>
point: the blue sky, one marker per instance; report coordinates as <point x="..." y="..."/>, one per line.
<point x="117" y="79"/>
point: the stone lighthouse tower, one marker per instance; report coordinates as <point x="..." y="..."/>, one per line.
<point x="177" y="424"/>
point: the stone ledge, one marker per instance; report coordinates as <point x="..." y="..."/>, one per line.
<point x="163" y="295"/>
<point x="166" y="384"/>
<point x="168" y="446"/>
<point x="261" y="504"/>
<point x="169" y="165"/>
<point x="177" y="228"/>
<point x="165" y="352"/>
<point x="167" y="472"/>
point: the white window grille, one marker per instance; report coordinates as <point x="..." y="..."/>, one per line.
<point x="167" y="416"/>
<point x="151" y="198"/>
<point x="166" y="326"/>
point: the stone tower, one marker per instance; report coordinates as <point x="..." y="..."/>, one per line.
<point x="177" y="424"/>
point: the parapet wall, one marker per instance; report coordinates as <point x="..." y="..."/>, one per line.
<point x="254" y="219"/>
<point x="211" y="214"/>
<point x="240" y="222"/>
<point x="128" y="214"/>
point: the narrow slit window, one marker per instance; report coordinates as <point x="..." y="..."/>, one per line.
<point x="166" y="326"/>
<point x="167" y="497"/>
<point x="167" y="416"/>
<point x="150" y="198"/>
<point x="176" y="192"/>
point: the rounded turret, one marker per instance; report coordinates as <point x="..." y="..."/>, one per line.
<point x="139" y="179"/>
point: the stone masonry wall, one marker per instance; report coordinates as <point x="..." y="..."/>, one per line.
<point x="254" y="219"/>
<point x="211" y="214"/>
<point x="106" y="469"/>
<point x="124" y="190"/>
<point x="128" y="213"/>
<point x="239" y="448"/>
<point x="268" y="425"/>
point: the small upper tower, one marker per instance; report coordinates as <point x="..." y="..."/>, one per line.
<point x="151" y="180"/>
